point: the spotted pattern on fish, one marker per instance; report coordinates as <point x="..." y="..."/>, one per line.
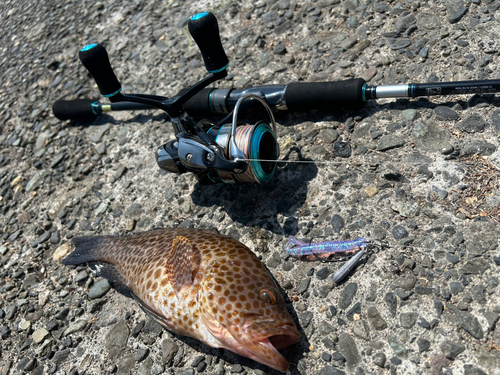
<point x="200" y="284"/>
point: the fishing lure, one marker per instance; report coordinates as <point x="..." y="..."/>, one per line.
<point x="324" y="251"/>
<point x="347" y="267"/>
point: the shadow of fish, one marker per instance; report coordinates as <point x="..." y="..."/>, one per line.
<point x="200" y="284"/>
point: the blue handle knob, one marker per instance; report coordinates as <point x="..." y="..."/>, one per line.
<point x="204" y="29"/>
<point x="95" y="58"/>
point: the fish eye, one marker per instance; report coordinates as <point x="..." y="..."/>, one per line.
<point x="267" y="296"/>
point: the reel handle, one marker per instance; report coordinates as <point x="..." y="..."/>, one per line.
<point x="78" y="109"/>
<point x="204" y="29"/>
<point x="95" y="58"/>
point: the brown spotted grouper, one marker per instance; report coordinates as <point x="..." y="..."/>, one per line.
<point x="200" y="284"/>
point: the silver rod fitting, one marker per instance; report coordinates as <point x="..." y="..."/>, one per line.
<point x="392" y="91"/>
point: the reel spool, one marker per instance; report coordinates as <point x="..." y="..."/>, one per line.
<point x="256" y="144"/>
<point x="252" y="146"/>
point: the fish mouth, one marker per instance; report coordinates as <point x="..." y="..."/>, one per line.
<point x="282" y="341"/>
<point x="268" y="346"/>
<point x="261" y="345"/>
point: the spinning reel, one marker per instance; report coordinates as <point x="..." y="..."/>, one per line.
<point x="254" y="145"/>
<point x="224" y="152"/>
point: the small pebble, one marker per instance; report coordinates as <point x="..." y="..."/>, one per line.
<point x="76" y="327"/>
<point x="61" y="252"/>
<point x="39" y="335"/>
<point x="141" y="354"/>
<point x="99" y="289"/>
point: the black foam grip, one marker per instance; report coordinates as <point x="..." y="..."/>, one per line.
<point x="199" y="104"/>
<point x="204" y="29"/>
<point x="73" y="109"/>
<point x="95" y="58"/>
<point x="324" y="95"/>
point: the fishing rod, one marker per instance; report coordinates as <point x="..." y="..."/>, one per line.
<point x="228" y="150"/>
<point x="303" y="96"/>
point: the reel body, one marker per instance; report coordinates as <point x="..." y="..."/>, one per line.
<point x="228" y="153"/>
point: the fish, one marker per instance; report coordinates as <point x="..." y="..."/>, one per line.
<point x="197" y="283"/>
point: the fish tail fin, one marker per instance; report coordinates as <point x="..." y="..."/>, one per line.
<point x="89" y="250"/>
<point x="86" y="250"/>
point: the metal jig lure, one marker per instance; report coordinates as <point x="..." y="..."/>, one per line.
<point x="347" y="267"/>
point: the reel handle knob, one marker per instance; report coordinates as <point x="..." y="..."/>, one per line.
<point x="73" y="109"/>
<point x="204" y="29"/>
<point x="95" y="58"/>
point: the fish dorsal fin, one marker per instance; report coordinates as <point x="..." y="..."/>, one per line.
<point x="183" y="263"/>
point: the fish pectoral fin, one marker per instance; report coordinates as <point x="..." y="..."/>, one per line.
<point x="114" y="276"/>
<point x="221" y="337"/>
<point x="183" y="263"/>
<point x="152" y="314"/>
